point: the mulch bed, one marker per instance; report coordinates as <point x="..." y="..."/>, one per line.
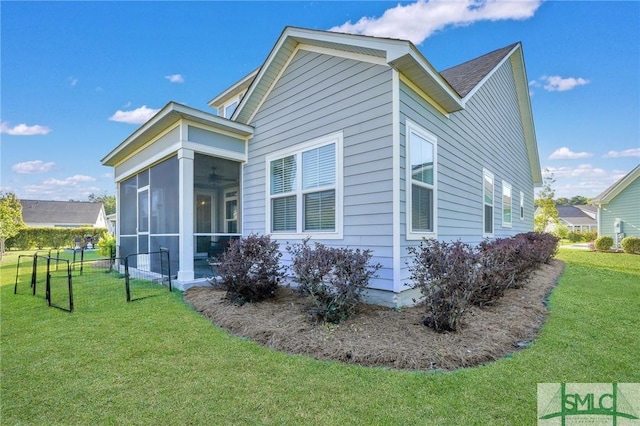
<point x="384" y="337"/>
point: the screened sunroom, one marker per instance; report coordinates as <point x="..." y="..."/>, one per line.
<point x="179" y="188"/>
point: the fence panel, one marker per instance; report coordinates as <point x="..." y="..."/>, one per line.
<point x="151" y="269"/>
<point x="98" y="283"/>
<point x="59" y="284"/>
<point x="24" y="275"/>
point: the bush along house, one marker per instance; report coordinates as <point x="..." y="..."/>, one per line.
<point x="353" y="141"/>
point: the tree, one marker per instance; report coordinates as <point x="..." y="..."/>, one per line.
<point x="108" y="201"/>
<point x="10" y="218"/>
<point x="578" y="200"/>
<point x="547" y="214"/>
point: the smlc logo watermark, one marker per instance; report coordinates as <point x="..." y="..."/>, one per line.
<point x="563" y="404"/>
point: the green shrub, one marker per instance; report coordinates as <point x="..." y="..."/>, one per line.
<point x="107" y="246"/>
<point x="582" y="236"/>
<point x="589" y="235"/>
<point x="631" y="245"/>
<point x="334" y="278"/>
<point x="561" y="231"/>
<point x="250" y="269"/>
<point x="603" y="243"/>
<point x="42" y="237"/>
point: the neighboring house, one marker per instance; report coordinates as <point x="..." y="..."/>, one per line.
<point x="578" y="218"/>
<point x="351" y="140"/>
<point x="63" y="214"/>
<point x="619" y="208"/>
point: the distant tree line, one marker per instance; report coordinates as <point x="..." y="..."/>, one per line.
<point x="578" y="200"/>
<point x="108" y="201"/>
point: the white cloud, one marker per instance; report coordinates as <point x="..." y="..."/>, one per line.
<point x="417" y="21"/>
<point x="580" y="171"/>
<point x="585" y="180"/>
<point x="565" y="153"/>
<point x="77" y="187"/>
<point x="72" y="81"/>
<point x="70" y="181"/>
<point x="555" y="83"/>
<point x="33" y="167"/>
<point x="633" y="152"/>
<point x="136" y="116"/>
<point x="175" y="78"/>
<point x="23" y="129"/>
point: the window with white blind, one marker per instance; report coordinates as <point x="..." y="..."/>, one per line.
<point x="488" y="192"/>
<point x="304" y="190"/>
<point x="421" y="182"/>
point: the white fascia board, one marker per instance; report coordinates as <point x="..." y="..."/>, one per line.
<point x="413" y="65"/>
<point x="234" y="89"/>
<point x="526" y="114"/>
<point x="610" y="193"/>
<point x="165" y="117"/>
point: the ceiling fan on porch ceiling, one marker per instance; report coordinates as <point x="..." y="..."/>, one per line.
<point x="216" y="178"/>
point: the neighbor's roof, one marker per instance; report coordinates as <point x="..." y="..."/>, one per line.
<point x="60" y="212"/>
<point x="574" y="215"/>
<point x="611" y="192"/>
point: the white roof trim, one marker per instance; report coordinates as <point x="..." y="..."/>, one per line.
<point x="234" y="90"/>
<point x="166" y="117"/>
<point x="611" y="192"/>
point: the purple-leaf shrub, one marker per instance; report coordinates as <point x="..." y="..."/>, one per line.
<point x="334" y="278"/>
<point x="250" y="269"/>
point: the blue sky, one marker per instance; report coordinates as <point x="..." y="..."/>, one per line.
<point x="78" y="78"/>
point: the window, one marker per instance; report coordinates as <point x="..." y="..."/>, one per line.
<point x="231" y="211"/>
<point x="487" y="202"/>
<point x="303" y="190"/>
<point x="506" y="205"/>
<point x="421" y="172"/>
<point x="521" y="205"/>
<point x="230" y="108"/>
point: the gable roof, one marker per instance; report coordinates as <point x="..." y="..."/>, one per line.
<point x="168" y="115"/>
<point x="60" y="212"/>
<point x="574" y="215"/>
<point x="450" y="89"/>
<point x="611" y="192"/>
<point x="464" y="77"/>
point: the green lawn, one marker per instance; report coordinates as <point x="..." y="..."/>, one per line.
<point x="156" y="361"/>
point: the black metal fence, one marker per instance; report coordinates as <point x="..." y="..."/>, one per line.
<point x="85" y="283"/>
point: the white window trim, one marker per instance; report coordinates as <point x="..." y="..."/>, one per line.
<point x="297" y="150"/>
<point x="410" y="234"/>
<point x="485" y="234"/>
<point x="507" y="185"/>
<point x="223" y="110"/>
<point x="521" y="211"/>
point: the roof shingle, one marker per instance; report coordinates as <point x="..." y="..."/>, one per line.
<point x="464" y="77"/>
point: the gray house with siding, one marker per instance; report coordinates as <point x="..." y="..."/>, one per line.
<point x="350" y="140"/>
<point x="619" y="208"/>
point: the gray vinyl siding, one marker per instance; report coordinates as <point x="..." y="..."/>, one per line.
<point x="215" y="140"/>
<point x="316" y="96"/>
<point x="162" y="144"/>
<point x="486" y="134"/>
<point x="626" y="207"/>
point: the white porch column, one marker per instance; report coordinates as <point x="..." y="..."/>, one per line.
<point x="185" y="171"/>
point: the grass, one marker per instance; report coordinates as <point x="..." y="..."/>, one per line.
<point x="156" y="361"/>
